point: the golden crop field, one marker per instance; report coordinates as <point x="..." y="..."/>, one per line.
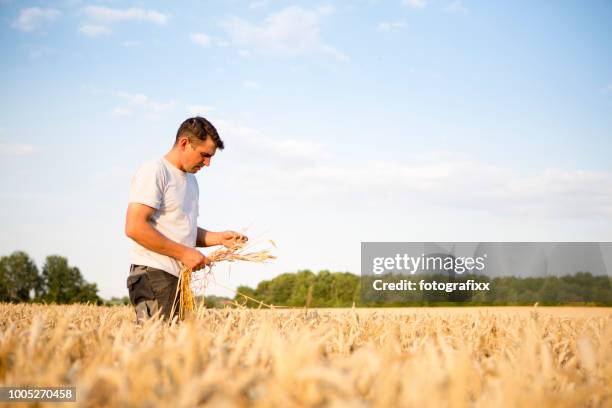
<point x="462" y="357"/>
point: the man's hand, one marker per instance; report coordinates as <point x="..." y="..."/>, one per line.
<point x="194" y="259"/>
<point x="230" y="239"/>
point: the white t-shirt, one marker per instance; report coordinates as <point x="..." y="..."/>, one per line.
<point x="174" y="194"/>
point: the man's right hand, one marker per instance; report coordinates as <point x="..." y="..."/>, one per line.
<point x="194" y="259"/>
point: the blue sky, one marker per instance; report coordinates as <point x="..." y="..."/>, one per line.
<point x="407" y="120"/>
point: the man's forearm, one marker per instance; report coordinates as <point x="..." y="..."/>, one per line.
<point x="155" y="241"/>
<point x="208" y="238"/>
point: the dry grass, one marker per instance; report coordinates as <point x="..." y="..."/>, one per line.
<point x="239" y="252"/>
<point x="417" y="357"/>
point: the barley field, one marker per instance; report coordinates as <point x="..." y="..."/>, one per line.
<point x="423" y="357"/>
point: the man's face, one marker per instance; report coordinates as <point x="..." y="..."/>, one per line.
<point x="197" y="155"/>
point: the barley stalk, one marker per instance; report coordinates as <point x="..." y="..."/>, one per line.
<point x="233" y="254"/>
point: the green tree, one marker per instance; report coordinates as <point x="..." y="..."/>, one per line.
<point x="114" y="301"/>
<point x="62" y="283"/>
<point x="341" y="289"/>
<point x="247" y="291"/>
<point x="281" y="288"/>
<point x="304" y="280"/>
<point x="323" y="288"/>
<point x="4" y="288"/>
<point x="19" y="278"/>
<point x="344" y="285"/>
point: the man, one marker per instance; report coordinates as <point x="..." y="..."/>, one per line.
<point x="162" y="220"/>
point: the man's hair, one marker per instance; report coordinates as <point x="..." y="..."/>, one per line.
<point x="199" y="129"/>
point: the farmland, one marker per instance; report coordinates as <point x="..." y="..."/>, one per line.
<point x="454" y="357"/>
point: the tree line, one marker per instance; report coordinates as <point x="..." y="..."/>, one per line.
<point x="58" y="282"/>
<point x="344" y="289"/>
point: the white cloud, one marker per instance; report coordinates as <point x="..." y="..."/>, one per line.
<point x="291" y="32"/>
<point x="121" y="111"/>
<point x="205" y="40"/>
<point x="94" y="30"/>
<point x="110" y="15"/>
<point x="101" y="18"/>
<point x="145" y="102"/>
<point x="464" y="185"/>
<point x="133" y="103"/>
<point x="8" y="148"/>
<point x="201" y="39"/>
<point x="456" y="7"/>
<point x="390" y="26"/>
<point x="414" y="3"/>
<point x="307" y="171"/>
<point x="286" y="153"/>
<point x="33" y="18"/>
<point x="252" y="85"/>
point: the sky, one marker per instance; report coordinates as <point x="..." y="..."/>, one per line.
<point x="344" y="121"/>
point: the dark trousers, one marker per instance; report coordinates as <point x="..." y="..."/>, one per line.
<point x="153" y="291"/>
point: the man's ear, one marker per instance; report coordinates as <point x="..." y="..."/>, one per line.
<point x="182" y="142"/>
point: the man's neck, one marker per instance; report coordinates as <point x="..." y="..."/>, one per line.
<point x="172" y="157"/>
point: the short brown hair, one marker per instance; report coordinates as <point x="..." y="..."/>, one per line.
<point x="199" y="129"/>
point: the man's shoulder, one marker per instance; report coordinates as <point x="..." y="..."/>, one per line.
<point x="151" y="167"/>
<point x="152" y="164"/>
<point x="151" y="170"/>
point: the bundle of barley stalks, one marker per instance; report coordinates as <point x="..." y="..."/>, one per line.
<point x="239" y="252"/>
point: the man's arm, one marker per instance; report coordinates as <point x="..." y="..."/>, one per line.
<point x="228" y="239"/>
<point x="138" y="228"/>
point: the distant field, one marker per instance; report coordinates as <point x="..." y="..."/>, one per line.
<point x="500" y="356"/>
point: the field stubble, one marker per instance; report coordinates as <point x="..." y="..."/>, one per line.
<point x="375" y="357"/>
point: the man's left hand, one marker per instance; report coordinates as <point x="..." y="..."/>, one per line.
<point x="231" y="239"/>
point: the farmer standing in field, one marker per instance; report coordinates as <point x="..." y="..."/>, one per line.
<point x="162" y="220"/>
